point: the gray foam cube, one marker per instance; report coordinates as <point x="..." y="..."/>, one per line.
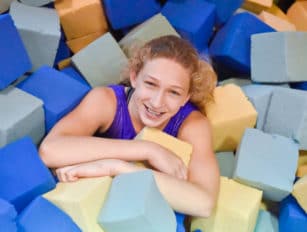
<point x="226" y="161"/>
<point x="267" y="162"/>
<point x="287" y="115"/>
<point x="101" y="61"/>
<point x="154" y="27"/>
<point x="134" y="204"/>
<point x="21" y="114"/>
<point x="39" y="29"/>
<point x="260" y="97"/>
<point x="279" y="57"/>
<point x="36" y="2"/>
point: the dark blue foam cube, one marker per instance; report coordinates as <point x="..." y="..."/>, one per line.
<point x="23" y="176"/>
<point x="299" y="85"/>
<point x="122" y="14"/>
<point x="225" y="9"/>
<point x="292" y="217"/>
<point x="72" y="72"/>
<point x="7" y="217"/>
<point x="63" y="51"/>
<point x="180" y="222"/>
<point x="43" y="216"/>
<point x="192" y="19"/>
<point x="59" y="92"/>
<point x="14" y="60"/>
<point x="231" y="46"/>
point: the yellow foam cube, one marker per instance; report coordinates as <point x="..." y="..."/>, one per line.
<point x="81" y="18"/>
<point x="300" y="192"/>
<point x="76" y="45"/>
<point x="297" y="14"/>
<point x="301" y="170"/>
<point x="82" y="200"/>
<point x="275" y="22"/>
<point x="236" y="210"/>
<point x="230" y="114"/>
<point x="64" y="63"/>
<point x="302" y="159"/>
<point x="257" y="6"/>
<point x="179" y="147"/>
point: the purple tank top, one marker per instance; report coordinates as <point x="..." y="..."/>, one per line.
<point x="122" y="127"/>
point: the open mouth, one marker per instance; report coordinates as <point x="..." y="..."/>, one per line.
<point x="153" y="112"/>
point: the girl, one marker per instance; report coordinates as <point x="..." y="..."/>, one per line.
<point x="169" y="87"/>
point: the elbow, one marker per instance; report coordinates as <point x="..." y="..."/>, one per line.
<point x="206" y="210"/>
<point x="45" y="154"/>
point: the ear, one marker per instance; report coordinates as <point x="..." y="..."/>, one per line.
<point x="132" y="75"/>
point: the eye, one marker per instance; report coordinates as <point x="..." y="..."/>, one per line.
<point x="149" y="83"/>
<point x="174" y="92"/>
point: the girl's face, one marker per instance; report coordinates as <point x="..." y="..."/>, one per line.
<point x="161" y="88"/>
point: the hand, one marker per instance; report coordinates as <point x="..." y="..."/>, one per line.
<point x="166" y="161"/>
<point x="105" y="167"/>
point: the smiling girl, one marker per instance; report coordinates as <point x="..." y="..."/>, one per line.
<point x="168" y="86"/>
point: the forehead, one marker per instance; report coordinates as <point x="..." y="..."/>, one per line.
<point x="166" y="70"/>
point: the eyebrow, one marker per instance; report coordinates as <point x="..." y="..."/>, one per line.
<point x="173" y="86"/>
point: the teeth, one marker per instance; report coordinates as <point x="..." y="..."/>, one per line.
<point x="153" y="112"/>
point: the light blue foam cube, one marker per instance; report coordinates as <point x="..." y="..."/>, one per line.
<point x="287" y="115"/>
<point x="264" y="222"/>
<point x="267" y="162"/>
<point x="134" y="204"/>
<point x="226" y="161"/>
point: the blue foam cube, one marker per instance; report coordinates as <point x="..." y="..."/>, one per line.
<point x="23" y="176"/>
<point x="43" y="216"/>
<point x="193" y="20"/>
<point x="59" y="92"/>
<point x="231" y="45"/>
<point x="14" y="60"/>
<point x="7" y="217"/>
<point x="72" y="72"/>
<point x="299" y="85"/>
<point x="180" y="222"/>
<point x="225" y="9"/>
<point x="292" y="217"/>
<point x="122" y="14"/>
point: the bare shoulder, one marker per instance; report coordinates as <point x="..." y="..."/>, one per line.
<point x="196" y="124"/>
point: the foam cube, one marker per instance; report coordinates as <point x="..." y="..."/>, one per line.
<point x="101" y="61"/>
<point x="292" y="105"/>
<point x="297" y="14"/>
<point x="5" y="5"/>
<point x="236" y="210"/>
<point x="180" y="222"/>
<point x="81" y="18"/>
<point x="229" y="114"/>
<point x="180" y="148"/>
<point x="300" y="192"/>
<point x="134" y="203"/>
<point x="236" y="81"/>
<point x="299" y="85"/>
<point x="301" y="170"/>
<point x="14" y="60"/>
<point x="81" y="200"/>
<point x="36" y="2"/>
<point x="41" y="215"/>
<point x="72" y="72"/>
<point x="257" y="5"/>
<point x="7" y="217"/>
<point x="123" y="14"/>
<point x="267" y="162"/>
<point x="292" y="217"/>
<point x="276" y="22"/>
<point x="21" y="114"/>
<point x="279" y="57"/>
<point x="40" y="32"/>
<point x="193" y="20"/>
<point x="59" y="92"/>
<point x="264" y="222"/>
<point x="63" y="51"/>
<point x="77" y="44"/>
<point x="23" y="176"/>
<point x="260" y="97"/>
<point x="231" y="45"/>
<point x="154" y="27"/>
<point x="226" y="161"/>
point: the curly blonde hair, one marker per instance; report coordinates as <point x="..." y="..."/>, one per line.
<point x="203" y="77"/>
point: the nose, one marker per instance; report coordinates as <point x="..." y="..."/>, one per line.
<point x="157" y="100"/>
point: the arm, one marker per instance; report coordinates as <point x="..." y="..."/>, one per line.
<point x="196" y="196"/>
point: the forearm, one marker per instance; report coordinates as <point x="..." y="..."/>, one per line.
<point x="68" y="150"/>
